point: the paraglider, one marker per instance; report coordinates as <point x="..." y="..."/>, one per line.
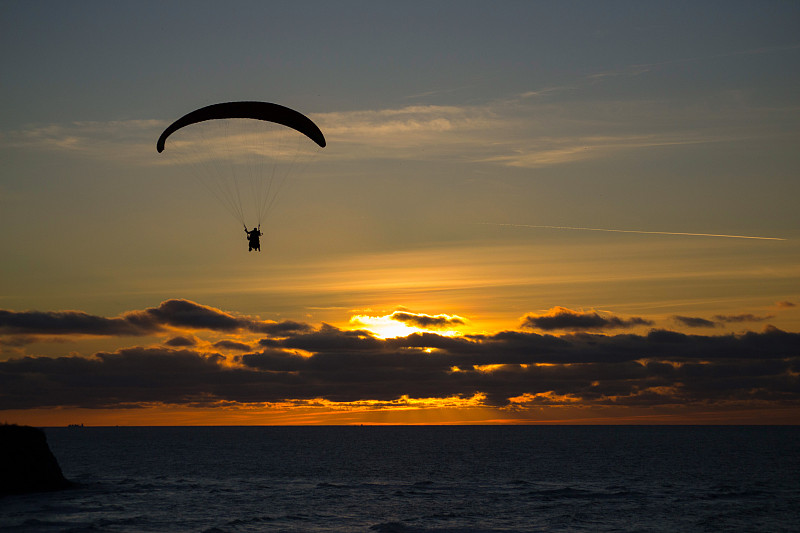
<point x="243" y="153"/>
<point x="253" y="239"/>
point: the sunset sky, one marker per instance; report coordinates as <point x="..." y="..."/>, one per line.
<point x="526" y="212"/>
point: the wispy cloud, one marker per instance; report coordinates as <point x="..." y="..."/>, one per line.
<point x="694" y="322"/>
<point x="533" y="129"/>
<point x="126" y="140"/>
<point x="744" y="317"/>
<point x="548" y="151"/>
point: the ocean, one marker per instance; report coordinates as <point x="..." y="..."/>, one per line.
<point x="442" y="479"/>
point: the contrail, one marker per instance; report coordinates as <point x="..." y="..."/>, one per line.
<point x="636" y="231"/>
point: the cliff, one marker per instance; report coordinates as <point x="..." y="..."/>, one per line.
<point x="26" y="462"/>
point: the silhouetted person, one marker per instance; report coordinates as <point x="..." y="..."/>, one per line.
<point x="252" y="237"/>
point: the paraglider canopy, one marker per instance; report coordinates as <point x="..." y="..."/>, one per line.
<point x="254" y="110"/>
<point x="243" y="152"/>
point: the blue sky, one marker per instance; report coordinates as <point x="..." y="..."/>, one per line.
<point x="100" y="61"/>
<point x="453" y="129"/>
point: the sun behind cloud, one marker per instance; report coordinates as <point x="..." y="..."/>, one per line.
<point x="402" y="323"/>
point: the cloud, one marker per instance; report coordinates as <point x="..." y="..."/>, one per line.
<point x="521" y="131"/>
<point x="561" y="318"/>
<point x="233" y="345"/>
<point x="187" y="314"/>
<point x="128" y="376"/>
<point x="176" y="313"/>
<point x="379" y="133"/>
<point x="695" y="322"/>
<point x="71" y="323"/>
<point x="181" y="341"/>
<point x="406" y="127"/>
<point x="423" y="321"/>
<point x="745" y="317"/>
<point x="123" y="140"/>
<point x="508" y="369"/>
<point x="553" y="150"/>
<point x="785" y="304"/>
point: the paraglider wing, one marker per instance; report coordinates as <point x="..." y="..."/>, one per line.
<point x="253" y="110"/>
<point x="243" y="163"/>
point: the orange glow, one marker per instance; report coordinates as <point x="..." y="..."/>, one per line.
<point x="403" y="411"/>
<point x="488" y="368"/>
<point x="544" y="398"/>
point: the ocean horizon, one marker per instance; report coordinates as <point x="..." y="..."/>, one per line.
<point x="422" y="479"/>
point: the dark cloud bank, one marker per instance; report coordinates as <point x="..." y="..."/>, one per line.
<point x="719" y="320"/>
<point x="294" y="361"/>
<point x="561" y="318"/>
<point x="170" y="314"/>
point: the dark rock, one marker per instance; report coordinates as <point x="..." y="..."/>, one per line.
<point x="26" y="462"/>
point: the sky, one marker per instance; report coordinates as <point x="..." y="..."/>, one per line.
<point x="526" y="213"/>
